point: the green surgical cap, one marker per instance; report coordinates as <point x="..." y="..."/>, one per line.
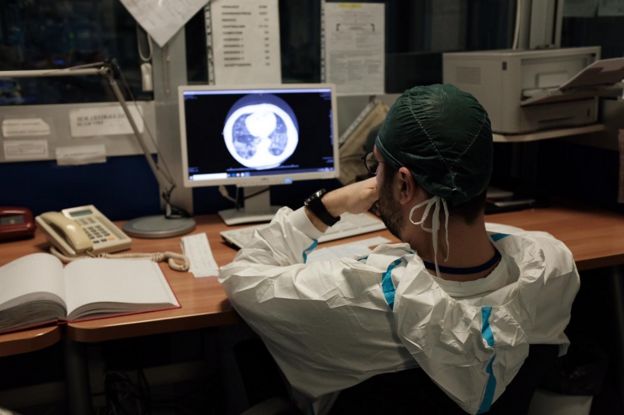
<point x="443" y="135"/>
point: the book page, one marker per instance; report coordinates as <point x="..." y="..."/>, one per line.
<point x="31" y="277"/>
<point x="129" y="284"/>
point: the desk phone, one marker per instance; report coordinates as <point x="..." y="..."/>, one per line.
<point x="82" y="229"/>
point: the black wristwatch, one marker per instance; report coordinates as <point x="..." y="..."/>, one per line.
<point x="315" y="204"/>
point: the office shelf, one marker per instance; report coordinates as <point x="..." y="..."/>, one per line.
<point x="547" y="134"/>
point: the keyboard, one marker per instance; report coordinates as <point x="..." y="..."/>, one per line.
<point x="349" y="225"/>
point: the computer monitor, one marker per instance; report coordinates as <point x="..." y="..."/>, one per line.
<point x="256" y="136"/>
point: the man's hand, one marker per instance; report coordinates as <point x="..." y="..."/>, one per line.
<point x="356" y="197"/>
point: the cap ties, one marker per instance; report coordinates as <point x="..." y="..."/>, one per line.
<point x="433" y="202"/>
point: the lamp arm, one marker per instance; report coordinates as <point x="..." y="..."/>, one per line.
<point x="163" y="178"/>
<point x="44" y="73"/>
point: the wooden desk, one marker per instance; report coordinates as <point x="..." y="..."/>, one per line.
<point x="26" y="341"/>
<point x="203" y="301"/>
<point x="595" y="237"/>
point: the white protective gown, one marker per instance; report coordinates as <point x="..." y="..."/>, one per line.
<point x="332" y="324"/>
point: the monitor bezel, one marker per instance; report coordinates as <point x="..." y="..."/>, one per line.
<point x="273" y="179"/>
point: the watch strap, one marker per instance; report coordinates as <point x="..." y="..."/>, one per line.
<point x="316" y="206"/>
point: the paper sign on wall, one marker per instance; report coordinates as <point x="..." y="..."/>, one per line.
<point x="244" y="40"/>
<point x="354" y="47"/>
<point x="25" y="149"/>
<point x="111" y="120"/>
<point x="611" y="8"/>
<point x="24" y="127"/>
<point x="78" y="155"/>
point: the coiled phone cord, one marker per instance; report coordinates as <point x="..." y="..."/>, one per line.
<point x="176" y="261"/>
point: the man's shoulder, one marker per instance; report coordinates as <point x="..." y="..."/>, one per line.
<point x="533" y="246"/>
<point x="500" y="232"/>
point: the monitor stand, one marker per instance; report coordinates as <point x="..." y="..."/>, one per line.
<point x="257" y="208"/>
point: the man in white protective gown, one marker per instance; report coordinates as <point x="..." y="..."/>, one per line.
<point x="458" y="299"/>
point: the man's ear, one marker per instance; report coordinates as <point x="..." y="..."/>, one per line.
<point x="407" y="185"/>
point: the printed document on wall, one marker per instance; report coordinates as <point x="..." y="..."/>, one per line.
<point x="162" y="19"/>
<point x="354" y="47"/>
<point x="611" y="8"/>
<point x="243" y="42"/>
<point x="580" y="8"/>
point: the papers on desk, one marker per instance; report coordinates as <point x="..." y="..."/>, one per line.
<point x="197" y="248"/>
<point x="351" y="250"/>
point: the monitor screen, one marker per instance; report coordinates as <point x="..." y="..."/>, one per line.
<point x="258" y="135"/>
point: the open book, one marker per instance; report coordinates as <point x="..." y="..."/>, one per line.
<point x="36" y="289"/>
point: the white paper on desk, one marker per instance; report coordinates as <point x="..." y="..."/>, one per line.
<point x="161" y="19"/>
<point x="245" y="41"/>
<point x="197" y="248"/>
<point x="351" y="249"/>
<point x="354" y="47"/>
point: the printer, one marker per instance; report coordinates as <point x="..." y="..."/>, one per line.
<point x="532" y="90"/>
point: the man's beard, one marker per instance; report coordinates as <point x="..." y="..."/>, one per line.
<point x="390" y="211"/>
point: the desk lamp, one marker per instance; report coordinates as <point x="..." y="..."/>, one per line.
<point x="175" y="220"/>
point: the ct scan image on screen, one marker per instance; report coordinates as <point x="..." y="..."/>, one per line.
<point x="261" y="132"/>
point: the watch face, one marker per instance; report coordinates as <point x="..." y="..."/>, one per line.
<point x="316" y="195"/>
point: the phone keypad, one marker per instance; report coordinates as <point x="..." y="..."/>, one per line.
<point x="95" y="231"/>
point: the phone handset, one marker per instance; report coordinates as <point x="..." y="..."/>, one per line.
<point x="64" y="233"/>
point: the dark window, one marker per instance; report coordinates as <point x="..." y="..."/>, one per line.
<point x="604" y="31"/>
<point x="60" y="34"/>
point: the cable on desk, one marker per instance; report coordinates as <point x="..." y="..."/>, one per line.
<point x="176" y="261"/>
